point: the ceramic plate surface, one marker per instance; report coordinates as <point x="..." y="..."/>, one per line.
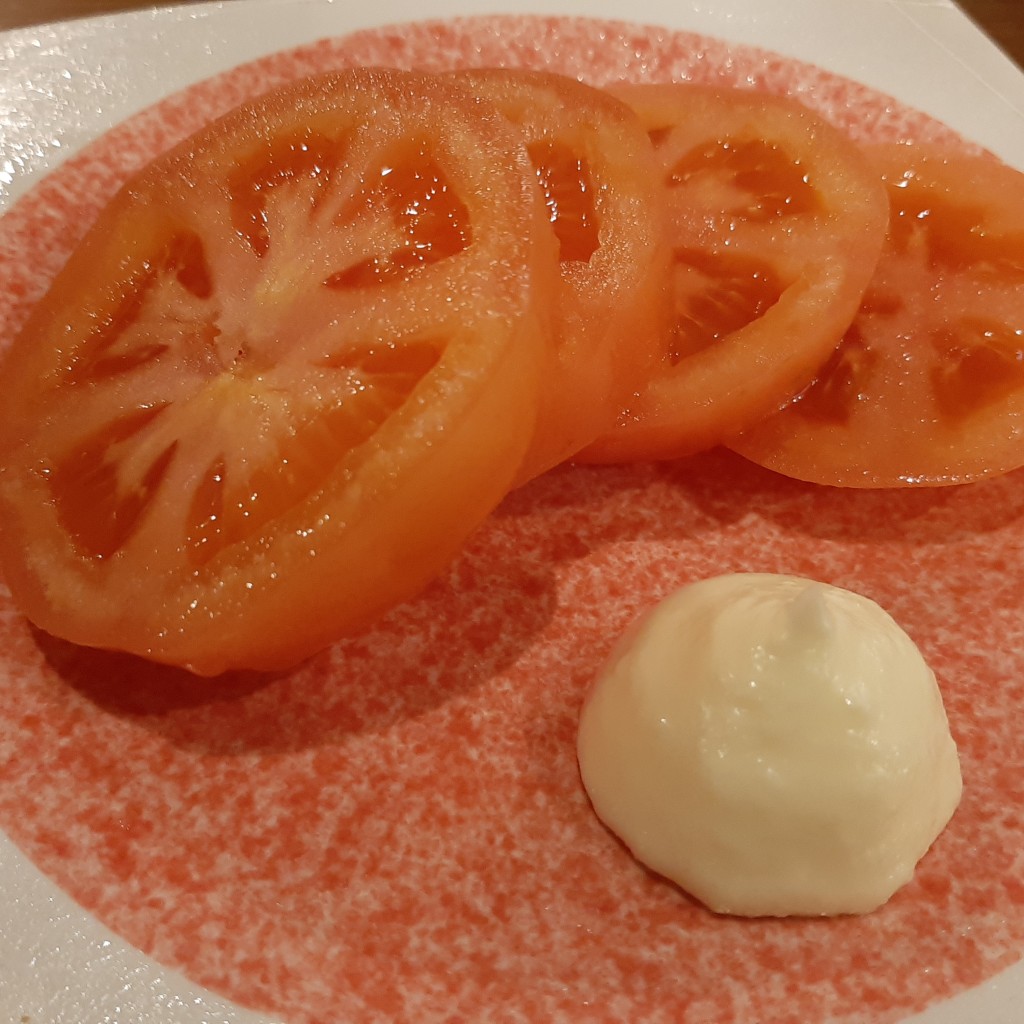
<point x="396" y="831"/>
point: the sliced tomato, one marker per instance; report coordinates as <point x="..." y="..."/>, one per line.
<point x="776" y="223"/>
<point x="287" y="372"/>
<point x="596" y="170"/>
<point x="927" y="387"/>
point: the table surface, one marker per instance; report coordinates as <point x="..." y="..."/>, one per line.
<point x="1003" y="20"/>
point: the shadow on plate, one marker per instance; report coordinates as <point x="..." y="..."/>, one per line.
<point x="724" y="488"/>
<point x="465" y="628"/>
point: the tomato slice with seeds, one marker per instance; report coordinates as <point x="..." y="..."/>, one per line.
<point x="927" y="387"/>
<point x="776" y="222"/>
<point x="290" y="368"/>
<point x="596" y="170"/>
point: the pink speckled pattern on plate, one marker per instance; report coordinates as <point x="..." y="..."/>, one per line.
<point x="396" y="831"/>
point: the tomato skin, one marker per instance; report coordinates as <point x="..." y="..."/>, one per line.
<point x="597" y="170"/>
<point x="776" y="223"/>
<point x="927" y="388"/>
<point x="202" y="344"/>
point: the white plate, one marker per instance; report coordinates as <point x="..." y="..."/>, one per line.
<point x="64" y="84"/>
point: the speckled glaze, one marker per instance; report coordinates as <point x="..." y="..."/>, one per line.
<point x="396" y="830"/>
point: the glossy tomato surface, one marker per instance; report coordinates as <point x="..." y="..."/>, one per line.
<point x="286" y="373"/>
<point x="927" y="387"/>
<point x="596" y="170"/>
<point x="775" y="222"/>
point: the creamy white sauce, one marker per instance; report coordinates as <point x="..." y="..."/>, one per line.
<point x="773" y="745"/>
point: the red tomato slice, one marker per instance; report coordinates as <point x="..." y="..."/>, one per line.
<point x="596" y="169"/>
<point x="287" y="372"/>
<point x="928" y="385"/>
<point x="776" y="223"/>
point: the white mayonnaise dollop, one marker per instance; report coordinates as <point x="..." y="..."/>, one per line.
<point x="774" y="745"/>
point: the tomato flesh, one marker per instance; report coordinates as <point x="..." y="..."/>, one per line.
<point x="927" y="387"/>
<point x="716" y="295"/>
<point x="775" y="222"/>
<point x="291" y="367"/>
<point x="595" y="168"/>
